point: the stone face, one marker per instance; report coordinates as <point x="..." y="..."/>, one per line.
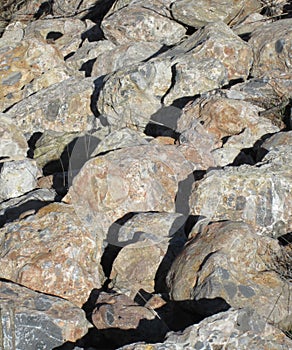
<point x="229" y="261"/>
<point x="129" y="97"/>
<point x="233" y="329"/>
<point x="56" y="255"/>
<point x="141" y="178"/>
<point x="17" y="177"/>
<point x="272" y="54"/>
<point x="122" y="56"/>
<point x="150" y="242"/>
<point x="27" y="67"/>
<point x="31" y="320"/>
<point x="140" y="21"/>
<point x="258" y="195"/>
<point x="13" y="145"/>
<point x="199" y="13"/>
<point x="58" y="107"/>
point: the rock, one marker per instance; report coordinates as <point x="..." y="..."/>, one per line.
<point x="46" y="321"/>
<point x="196" y="14"/>
<point x="19" y="80"/>
<point x="233" y="329"/>
<point x="150" y="242"/>
<point x="140" y="21"/>
<point x="258" y="195"/>
<point x="134" y="179"/>
<point x="62" y="33"/>
<point x="217" y="41"/>
<point x="13" y="33"/>
<point x="57" y="107"/>
<point x="13" y="145"/>
<point x="229" y="264"/>
<point x="56" y="255"/>
<point x="130" y="96"/>
<point x="17" y="177"/>
<point x="25" y="205"/>
<point x="250" y="23"/>
<point x="122" y="56"/>
<point x="281" y="139"/>
<point x="122" y="138"/>
<point x="70" y="8"/>
<point x="272" y="54"/>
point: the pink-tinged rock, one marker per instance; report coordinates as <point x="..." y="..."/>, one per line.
<point x="134" y="179"/>
<point x="31" y="320"/>
<point x="140" y="21"/>
<point x="259" y="195"/>
<point x="272" y="47"/>
<point x="27" y="67"/>
<point x="228" y="262"/>
<point x="52" y="252"/>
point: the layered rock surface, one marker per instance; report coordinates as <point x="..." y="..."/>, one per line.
<point x="145" y="174"/>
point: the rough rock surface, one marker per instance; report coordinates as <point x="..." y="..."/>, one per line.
<point x="31" y="320"/>
<point x="48" y="259"/>
<point x="228" y="263"/>
<point x="233" y="329"/>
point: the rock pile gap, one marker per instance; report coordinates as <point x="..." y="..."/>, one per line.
<point x="145" y="174"/>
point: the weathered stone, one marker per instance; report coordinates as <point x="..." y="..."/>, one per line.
<point x="150" y="242"/>
<point x="231" y="330"/>
<point x="58" y="107"/>
<point x="259" y="195"/>
<point x="272" y="47"/>
<point x="140" y="21"/>
<point x="17" y="177"/>
<point x="13" y="33"/>
<point x="250" y="23"/>
<point x="217" y="41"/>
<point x="228" y="261"/>
<point x="278" y="140"/>
<point x="27" y="67"/>
<point x="121" y="139"/>
<point x="25" y="205"/>
<point x="62" y="33"/>
<point x="133" y="179"/>
<point x="199" y="13"/>
<point x="31" y="320"/>
<point x="195" y="76"/>
<point x="13" y="145"/>
<point x="70" y="8"/>
<point x="122" y="56"/>
<point x="130" y="96"/>
<point x="57" y="255"/>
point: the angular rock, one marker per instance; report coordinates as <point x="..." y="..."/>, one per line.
<point x="58" y="107"/>
<point x="17" y="177"/>
<point x="197" y="13"/>
<point x="272" y="54"/>
<point x="281" y="139"/>
<point x="62" y="33"/>
<point x="122" y="56"/>
<point x="19" y="80"/>
<point x="259" y="195"/>
<point x="70" y="8"/>
<point x="31" y="320"/>
<point x="140" y="178"/>
<point x="25" y="205"/>
<point x="150" y="242"/>
<point x="140" y="21"/>
<point x="233" y="329"/>
<point x="130" y="96"/>
<point x="57" y="255"/>
<point x="228" y="262"/>
<point x="13" y="145"/>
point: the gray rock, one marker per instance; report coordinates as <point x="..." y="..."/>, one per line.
<point x="196" y="14"/>
<point x="272" y="54"/>
<point x="57" y="107"/>
<point x="227" y="264"/>
<point x="233" y="329"/>
<point x="142" y="21"/>
<point x="31" y="320"/>
<point x="17" y="177"/>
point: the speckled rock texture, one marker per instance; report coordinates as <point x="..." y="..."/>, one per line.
<point x="145" y="173"/>
<point x="31" y="320"/>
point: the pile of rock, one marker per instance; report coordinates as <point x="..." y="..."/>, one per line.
<point x="145" y="174"/>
